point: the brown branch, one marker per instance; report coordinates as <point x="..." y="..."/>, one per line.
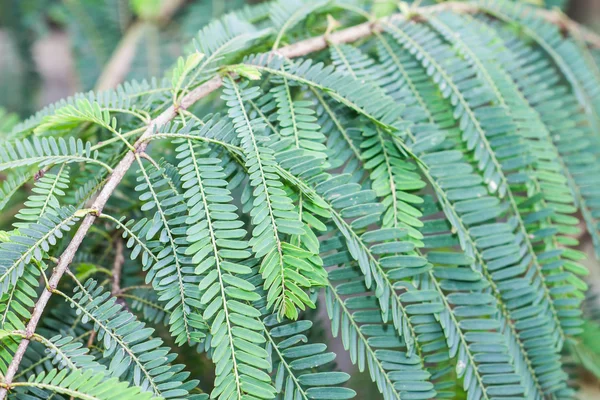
<point x="555" y="17"/>
<point x="117" y="269"/>
<point x="90" y="341"/>
<point x="294" y="50"/>
<point x="576" y="29"/>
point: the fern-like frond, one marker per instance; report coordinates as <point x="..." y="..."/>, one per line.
<point x="143" y="300"/>
<point x="286" y="268"/>
<point x="298" y="363"/>
<point x="47" y="151"/>
<point x="465" y="211"/>
<point x="129" y="95"/>
<point x="372" y="343"/>
<point x="570" y="127"/>
<point x="217" y="244"/>
<point x="407" y="90"/>
<point x="458" y="335"/>
<point x="61" y="320"/>
<point x="366" y="99"/>
<point x="16" y="303"/>
<point x="383" y="254"/>
<point x="31" y="243"/>
<point x="541" y="217"/>
<point x="477" y="332"/>
<point x="45" y="354"/>
<point x="300" y="367"/>
<point x="65" y="352"/>
<point x="45" y="198"/>
<point x="548" y="175"/>
<point x="133" y="353"/>
<point x="87" y="385"/>
<point x="297" y="123"/>
<point x="11" y="185"/>
<point x="513" y="162"/>
<point x="478" y="119"/>
<point x="392" y="176"/>
<point x="173" y="276"/>
<point x="69" y="116"/>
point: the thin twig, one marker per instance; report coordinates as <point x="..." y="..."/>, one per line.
<point x="116" y="271"/>
<point x="298" y="49"/>
<point x="90" y="341"/>
<point x="558" y="18"/>
<point x="116" y="280"/>
<point x="117" y="266"/>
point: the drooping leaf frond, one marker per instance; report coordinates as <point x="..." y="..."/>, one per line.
<point x="172" y="276"/>
<point x="217" y="244"/>
<point x="475" y="133"/>
<point x="82" y="385"/>
<point x="298" y="365"/>
<point x="70" y="115"/>
<point x="129" y="95"/>
<point x="45" y="197"/>
<point x="286" y="268"/>
<point x="69" y="353"/>
<point x="366" y="99"/>
<point x="46" y="151"/>
<point x="378" y="252"/>
<point x="372" y="343"/>
<point x="31" y="243"/>
<point x="18" y="300"/>
<point x="133" y="354"/>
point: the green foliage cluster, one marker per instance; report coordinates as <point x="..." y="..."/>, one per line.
<point x="418" y="181"/>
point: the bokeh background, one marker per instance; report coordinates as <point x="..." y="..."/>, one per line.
<point x="51" y="49"/>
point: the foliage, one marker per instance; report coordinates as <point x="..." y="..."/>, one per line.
<point x="416" y="184"/>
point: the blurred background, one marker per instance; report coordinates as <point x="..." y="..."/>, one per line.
<point x="51" y="49"/>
